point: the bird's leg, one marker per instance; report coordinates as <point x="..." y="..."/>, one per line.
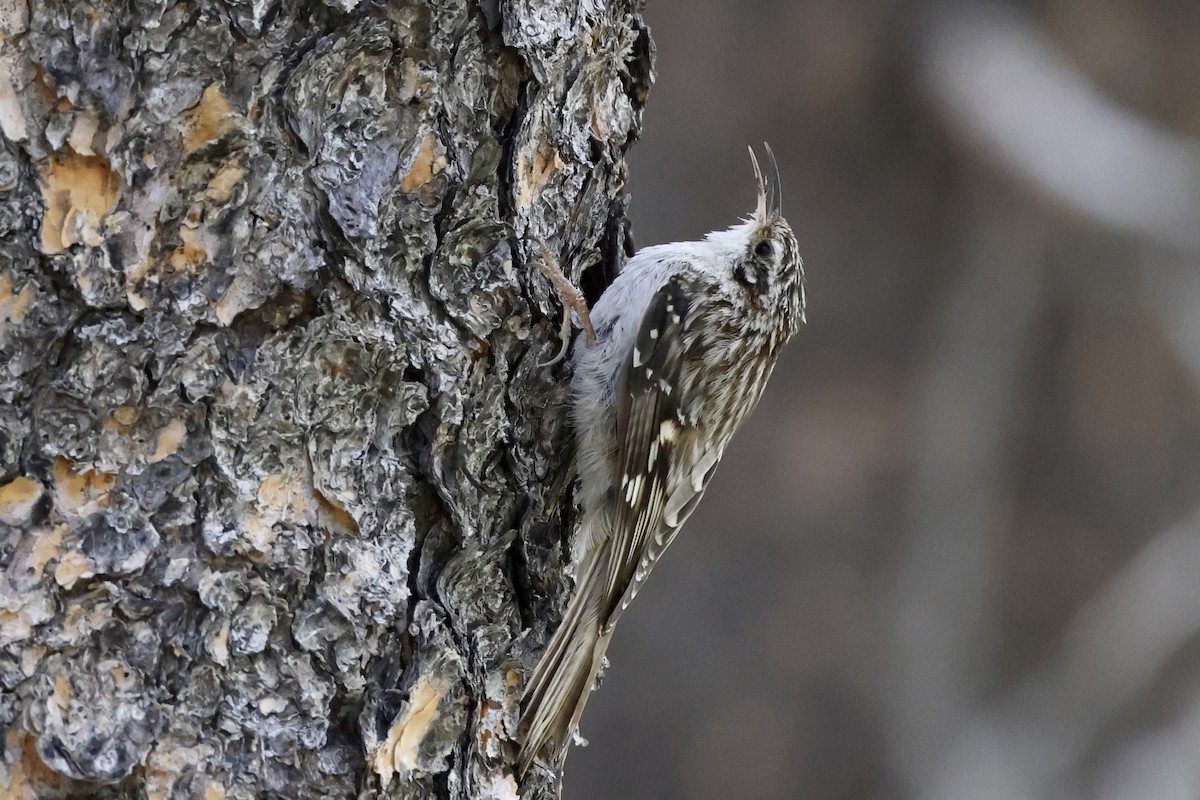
<point x="572" y="300"/>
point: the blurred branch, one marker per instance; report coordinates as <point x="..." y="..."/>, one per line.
<point x="1111" y="653"/>
<point x="964" y="413"/>
<point x="996" y="78"/>
<point x="1004" y="86"/>
<point x="1160" y="764"/>
<point x="1174" y="288"/>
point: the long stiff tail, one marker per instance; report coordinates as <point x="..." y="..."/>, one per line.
<point x="556" y="694"/>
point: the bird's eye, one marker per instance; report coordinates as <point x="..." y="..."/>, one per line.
<point x="764" y="249"/>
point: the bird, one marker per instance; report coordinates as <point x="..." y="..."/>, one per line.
<point x="685" y="339"/>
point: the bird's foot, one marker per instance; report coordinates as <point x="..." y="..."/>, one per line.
<point x="572" y="300"/>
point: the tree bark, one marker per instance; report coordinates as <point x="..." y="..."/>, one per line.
<point x="284" y="488"/>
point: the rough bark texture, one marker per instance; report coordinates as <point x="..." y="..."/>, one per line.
<point x="283" y="485"/>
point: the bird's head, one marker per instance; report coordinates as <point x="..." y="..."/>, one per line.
<point x="762" y="251"/>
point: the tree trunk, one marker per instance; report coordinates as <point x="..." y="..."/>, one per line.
<point x="284" y="488"/>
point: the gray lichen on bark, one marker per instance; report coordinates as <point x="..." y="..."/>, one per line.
<point x="282" y="484"/>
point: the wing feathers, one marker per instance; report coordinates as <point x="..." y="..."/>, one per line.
<point x="652" y="438"/>
<point x="664" y="465"/>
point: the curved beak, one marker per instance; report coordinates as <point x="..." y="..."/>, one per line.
<point x="770" y="196"/>
<point x="775" y="205"/>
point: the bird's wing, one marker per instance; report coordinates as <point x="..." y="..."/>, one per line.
<point x="657" y="443"/>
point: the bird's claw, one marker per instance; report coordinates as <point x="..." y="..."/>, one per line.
<point x="572" y="300"/>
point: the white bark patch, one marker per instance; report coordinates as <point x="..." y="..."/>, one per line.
<point x="12" y="117"/>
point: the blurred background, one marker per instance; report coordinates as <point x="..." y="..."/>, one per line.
<point x="956" y="552"/>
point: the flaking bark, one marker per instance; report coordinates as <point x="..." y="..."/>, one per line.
<point x="283" y="489"/>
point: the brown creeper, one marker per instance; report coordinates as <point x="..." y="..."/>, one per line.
<point x="686" y="337"/>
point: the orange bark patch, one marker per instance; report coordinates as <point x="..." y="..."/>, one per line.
<point x="17" y="499"/>
<point x="13" y="306"/>
<point x="282" y="498"/>
<point x="332" y="516"/>
<point x="426" y="164"/>
<point x="79" y="192"/>
<point x="218" y="646"/>
<point x="169" y="439"/>
<point x="398" y="753"/>
<point x="122" y="419"/>
<point x="207" y="121"/>
<point x="30" y="774"/>
<point x="167" y="762"/>
<point x="43" y="545"/>
<point x="60" y="701"/>
<point x="77" y="494"/>
<point x="221" y="187"/>
<point x="191" y="254"/>
<point x="533" y="173"/>
<point x="237" y="298"/>
<point x="72" y="567"/>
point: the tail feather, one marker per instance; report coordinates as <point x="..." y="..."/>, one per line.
<point x="559" y="689"/>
